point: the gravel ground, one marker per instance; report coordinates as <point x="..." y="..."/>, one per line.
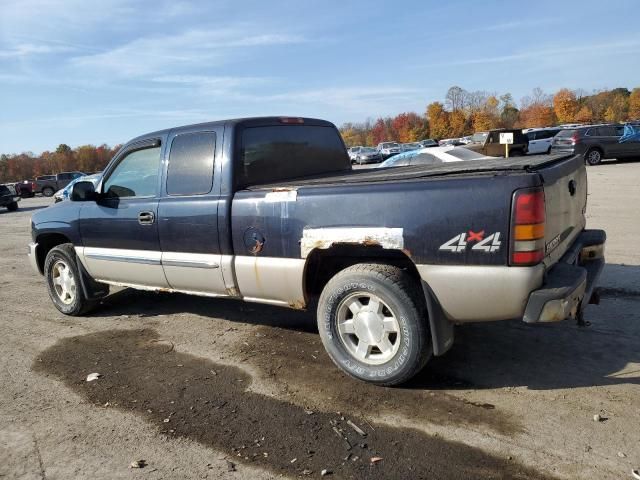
<point x="206" y="388"/>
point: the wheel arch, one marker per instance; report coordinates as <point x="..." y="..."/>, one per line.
<point x="47" y="241"/>
<point x="322" y="264"/>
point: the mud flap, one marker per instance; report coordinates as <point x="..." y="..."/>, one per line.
<point x="442" y="333"/>
<point x="92" y="290"/>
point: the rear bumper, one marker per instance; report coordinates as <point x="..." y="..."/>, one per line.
<point x="568" y="285"/>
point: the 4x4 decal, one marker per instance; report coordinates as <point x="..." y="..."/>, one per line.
<point x="460" y="242"/>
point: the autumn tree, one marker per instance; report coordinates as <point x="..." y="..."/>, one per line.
<point x="537" y="110"/>
<point x="634" y="104"/>
<point x="455" y="99"/>
<point x="584" y="115"/>
<point x="565" y="105"/>
<point x="438" y="120"/>
<point x="509" y="113"/>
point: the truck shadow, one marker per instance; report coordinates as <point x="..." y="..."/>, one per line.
<point x="489" y="355"/>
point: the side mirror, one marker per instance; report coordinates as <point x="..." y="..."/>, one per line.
<point x="83" y="192"/>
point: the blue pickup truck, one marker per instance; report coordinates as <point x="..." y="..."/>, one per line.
<point x="269" y="210"/>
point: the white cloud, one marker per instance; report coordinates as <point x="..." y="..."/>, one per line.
<point x="28" y="49"/>
<point x="153" y="55"/>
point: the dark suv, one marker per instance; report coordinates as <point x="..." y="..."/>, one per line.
<point x="595" y="142"/>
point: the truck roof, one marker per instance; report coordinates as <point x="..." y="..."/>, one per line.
<point x="244" y="121"/>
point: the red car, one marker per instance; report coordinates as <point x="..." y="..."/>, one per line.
<point x="26" y="188"/>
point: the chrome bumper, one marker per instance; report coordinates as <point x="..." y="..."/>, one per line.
<point x="569" y="284"/>
<point x="33" y="257"/>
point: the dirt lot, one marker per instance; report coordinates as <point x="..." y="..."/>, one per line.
<point x="204" y="388"/>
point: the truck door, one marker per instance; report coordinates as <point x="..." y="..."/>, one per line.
<point x="188" y="214"/>
<point x="120" y="230"/>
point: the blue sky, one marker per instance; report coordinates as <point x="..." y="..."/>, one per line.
<point x="83" y="72"/>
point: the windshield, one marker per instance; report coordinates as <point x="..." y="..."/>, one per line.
<point x="464" y="154"/>
<point x="368" y="150"/>
<point x="390" y="145"/>
<point x="479" y="137"/>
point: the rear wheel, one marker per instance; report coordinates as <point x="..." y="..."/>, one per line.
<point x="593" y="156"/>
<point x="373" y="323"/>
<point x="12" y="207"/>
<point x="48" y="191"/>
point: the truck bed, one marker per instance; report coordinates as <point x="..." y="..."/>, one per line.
<point x="498" y="165"/>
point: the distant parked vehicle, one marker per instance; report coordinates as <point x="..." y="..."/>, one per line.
<point x="595" y="143"/>
<point x="406" y="147"/>
<point x="368" y="155"/>
<point x="428" y="142"/>
<point x="353" y="152"/>
<point x="540" y="140"/>
<point x="432" y="156"/>
<point x="452" y="142"/>
<point x="65" y="193"/>
<point x="388" y="149"/>
<point x="488" y="143"/>
<point x="50" y="184"/>
<point x="9" y="197"/>
<point x="26" y="188"/>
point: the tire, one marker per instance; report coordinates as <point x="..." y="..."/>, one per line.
<point x="516" y="153"/>
<point x="12" y="207"/>
<point x="549" y="150"/>
<point x="63" y="281"/>
<point x="398" y="342"/>
<point x="48" y="191"/>
<point x="593" y="157"/>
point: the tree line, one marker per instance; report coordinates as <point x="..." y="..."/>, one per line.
<point x="463" y="113"/>
<point x="27" y="166"/>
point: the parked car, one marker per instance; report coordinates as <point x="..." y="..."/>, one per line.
<point x="432" y="156"/>
<point x="368" y="155"/>
<point x="353" y="152"/>
<point x="50" y="184"/>
<point x="388" y="149"/>
<point x="428" y="142"/>
<point x="488" y="143"/>
<point x="452" y="142"/>
<point x="595" y="143"/>
<point x="26" y="188"/>
<point x="9" y="197"/>
<point x="406" y="147"/>
<point x="65" y="193"/>
<point x="540" y="140"/>
<point x="424" y="249"/>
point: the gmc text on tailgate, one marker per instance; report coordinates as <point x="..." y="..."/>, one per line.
<point x="269" y="210"/>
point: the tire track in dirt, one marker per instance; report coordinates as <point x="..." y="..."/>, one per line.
<point x="195" y="398"/>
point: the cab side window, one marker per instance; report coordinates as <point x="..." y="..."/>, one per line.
<point x="191" y="164"/>
<point x="136" y="175"/>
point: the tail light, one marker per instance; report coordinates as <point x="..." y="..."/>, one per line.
<point x="574" y="139"/>
<point x="527" y="227"/>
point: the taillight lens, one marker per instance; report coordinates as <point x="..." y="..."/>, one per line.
<point x="574" y="139"/>
<point x="527" y="227"/>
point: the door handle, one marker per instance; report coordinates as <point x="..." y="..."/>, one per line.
<point x="146" y="218"/>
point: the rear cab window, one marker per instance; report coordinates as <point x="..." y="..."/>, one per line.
<point x="190" y="169"/>
<point x="275" y="153"/>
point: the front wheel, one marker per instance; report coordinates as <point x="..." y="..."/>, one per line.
<point x="373" y="323"/>
<point x="12" y="207"/>
<point x="63" y="281"/>
<point x="48" y="191"/>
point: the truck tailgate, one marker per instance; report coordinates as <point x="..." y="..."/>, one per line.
<point x="565" y="191"/>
